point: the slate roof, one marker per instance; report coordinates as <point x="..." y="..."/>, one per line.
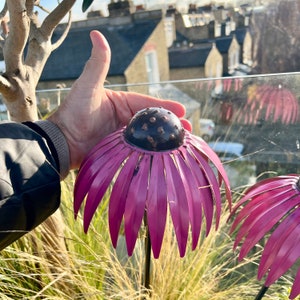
<point x="189" y="57"/>
<point x="240" y="34"/>
<point x="180" y="37"/>
<point x="196" y="56"/>
<point x="67" y="62"/>
<point x="223" y="43"/>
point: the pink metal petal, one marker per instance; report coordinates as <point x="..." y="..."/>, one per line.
<point x="193" y="197"/>
<point x="210" y="176"/>
<point x="257" y="206"/>
<point x="258" y="226"/>
<point x="157" y="204"/>
<point x="100" y="184"/>
<point x="262" y="95"/>
<point x="275" y="241"/>
<point x="226" y="84"/>
<point x="270" y="109"/>
<point x="89" y="170"/>
<point x="280" y="104"/>
<point x="290" y="106"/>
<point x="295" y="107"/>
<point x="213" y="157"/>
<point x="296" y="286"/>
<point x="288" y="113"/>
<point x="272" y="201"/>
<point x="264" y="186"/>
<point x="135" y="202"/>
<point x="257" y="201"/>
<point x="177" y="202"/>
<point x="238" y="84"/>
<point x="119" y="195"/>
<point x="207" y="152"/>
<point x="205" y="192"/>
<point x="108" y="143"/>
<point x="288" y="253"/>
<point x="113" y="138"/>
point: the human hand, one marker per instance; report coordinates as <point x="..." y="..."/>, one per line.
<point x="90" y="112"/>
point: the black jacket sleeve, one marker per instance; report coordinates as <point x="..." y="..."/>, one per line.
<point x="29" y="179"/>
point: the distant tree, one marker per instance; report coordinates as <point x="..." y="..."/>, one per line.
<point x="276" y="37"/>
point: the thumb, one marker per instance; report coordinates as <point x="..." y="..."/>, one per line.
<point x="96" y="68"/>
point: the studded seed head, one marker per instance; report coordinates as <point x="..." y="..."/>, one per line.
<point x="155" y="129"/>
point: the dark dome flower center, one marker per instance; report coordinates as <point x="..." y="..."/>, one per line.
<point x="155" y="129"/>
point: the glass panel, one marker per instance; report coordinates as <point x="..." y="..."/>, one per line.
<point x="251" y="122"/>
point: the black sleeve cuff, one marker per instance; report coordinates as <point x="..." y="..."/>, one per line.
<point x="57" y="141"/>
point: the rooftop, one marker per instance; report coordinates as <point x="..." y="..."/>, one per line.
<point x="125" y="41"/>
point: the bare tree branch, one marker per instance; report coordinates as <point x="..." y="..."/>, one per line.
<point x="41" y="7"/>
<point x="16" y="40"/>
<point x="3" y="11"/>
<point x="53" y="19"/>
<point x="65" y="33"/>
<point x="4" y="25"/>
<point x="4" y="84"/>
<point x="29" y="7"/>
<point x="40" y="47"/>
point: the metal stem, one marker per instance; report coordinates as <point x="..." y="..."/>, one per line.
<point x="262" y="292"/>
<point x="147" y="260"/>
<point x="147" y="266"/>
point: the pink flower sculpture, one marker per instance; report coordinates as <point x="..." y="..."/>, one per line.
<point x="271" y="205"/>
<point x="153" y="164"/>
<point x="229" y="84"/>
<point x="232" y="83"/>
<point x="272" y="103"/>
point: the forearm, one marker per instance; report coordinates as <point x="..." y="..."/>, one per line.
<point x="32" y="163"/>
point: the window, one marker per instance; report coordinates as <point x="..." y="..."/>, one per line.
<point x="233" y="60"/>
<point x="152" y="67"/>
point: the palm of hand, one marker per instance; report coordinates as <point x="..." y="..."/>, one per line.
<point x="90" y="112"/>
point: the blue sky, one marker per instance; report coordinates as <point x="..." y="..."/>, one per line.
<point x="77" y="12"/>
<point x="102" y="5"/>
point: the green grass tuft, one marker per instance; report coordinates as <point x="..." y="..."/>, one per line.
<point x="89" y="268"/>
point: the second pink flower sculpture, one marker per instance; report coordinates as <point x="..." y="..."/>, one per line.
<point x="271" y="207"/>
<point x="153" y="164"/>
